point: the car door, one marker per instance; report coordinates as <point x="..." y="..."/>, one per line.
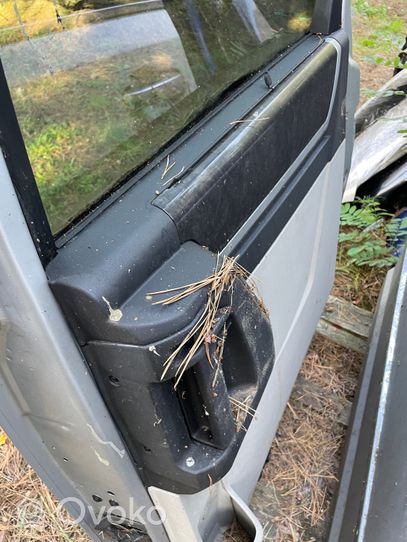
<point x="148" y="146"/>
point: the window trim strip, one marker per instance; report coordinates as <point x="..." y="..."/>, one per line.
<point x="19" y="166"/>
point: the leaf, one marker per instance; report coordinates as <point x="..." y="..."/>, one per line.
<point x="354" y="251"/>
<point x="366" y="231"/>
<point x="3" y="438"/>
<point x="348" y="236"/>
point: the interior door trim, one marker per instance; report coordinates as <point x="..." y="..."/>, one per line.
<point x="235" y="178"/>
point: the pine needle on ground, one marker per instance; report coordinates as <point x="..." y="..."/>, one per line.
<point x="301" y="474"/>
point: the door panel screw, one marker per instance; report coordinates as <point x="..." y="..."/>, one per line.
<point x="190" y="461"/>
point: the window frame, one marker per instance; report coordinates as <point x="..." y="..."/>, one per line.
<point x="15" y="154"/>
<point x="326" y="19"/>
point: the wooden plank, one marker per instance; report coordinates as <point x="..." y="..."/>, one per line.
<point x="348" y="316"/>
<point x="345" y="324"/>
<point x="342" y="337"/>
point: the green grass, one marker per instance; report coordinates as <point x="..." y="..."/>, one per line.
<point x="383" y="33"/>
<point x="367" y="9"/>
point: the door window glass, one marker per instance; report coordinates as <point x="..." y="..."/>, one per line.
<point x="99" y="86"/>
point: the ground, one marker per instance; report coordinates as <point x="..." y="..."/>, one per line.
<point x="301" y="475"/>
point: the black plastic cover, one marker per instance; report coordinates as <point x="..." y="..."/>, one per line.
<point x="233" y="179"/>
<point x="185" y="439"/>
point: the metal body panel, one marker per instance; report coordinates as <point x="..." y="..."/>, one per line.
<point x="353" y="87"/>
<point x="295" y="299"/>
<point x="371" y="501"/>
<point x="50" y="406"/>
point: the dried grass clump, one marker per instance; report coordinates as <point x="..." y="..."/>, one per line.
<point x="360" y="286"/>
<point x="28" y="511"/>
<point x="202" y="333"/>
<point x="240" y="411"/>
<point x="333" y="367"/>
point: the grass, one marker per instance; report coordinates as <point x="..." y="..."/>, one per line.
<point x="379" y="31"/>
<point x="91" y="116"/>
<point x="385" y="33"/>
<point x="77" y="148"/>
<point x="29" y="513"/>
<point x="83" y="130"/>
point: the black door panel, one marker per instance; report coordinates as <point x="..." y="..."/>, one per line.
<point x="183" y="439"/>
<point x="206" y="206"/>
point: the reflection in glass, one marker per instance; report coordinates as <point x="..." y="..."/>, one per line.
<point x="100" y="86"/>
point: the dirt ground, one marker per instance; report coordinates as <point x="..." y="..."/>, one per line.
<point x="300" y="476"/>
